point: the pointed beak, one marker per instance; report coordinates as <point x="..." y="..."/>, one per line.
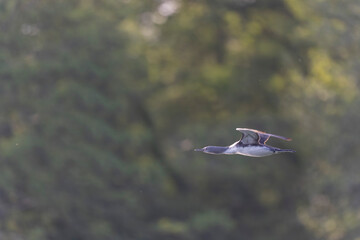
<point x="199" y="150"/>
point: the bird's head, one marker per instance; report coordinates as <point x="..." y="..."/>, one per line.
<point x="212" y="149"/>
<point x="204" y="149"/>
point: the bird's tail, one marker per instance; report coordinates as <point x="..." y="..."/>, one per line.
<point x="284" y="150"/>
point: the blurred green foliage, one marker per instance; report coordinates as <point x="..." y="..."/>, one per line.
<point x="102" y="103"/>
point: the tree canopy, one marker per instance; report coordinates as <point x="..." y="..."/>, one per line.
<point x="102" y="103"/>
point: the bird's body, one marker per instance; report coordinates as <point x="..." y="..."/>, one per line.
<point x="250" y="150"/>
<point x="251" y="144"/>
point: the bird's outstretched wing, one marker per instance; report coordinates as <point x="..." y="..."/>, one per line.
<point x="252" y="136"/>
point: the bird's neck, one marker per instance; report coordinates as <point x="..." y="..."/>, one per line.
<point x="217" y="149"/>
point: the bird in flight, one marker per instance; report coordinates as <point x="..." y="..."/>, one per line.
<point x="252" y="143"/>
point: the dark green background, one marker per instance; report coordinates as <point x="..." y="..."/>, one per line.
<point x="103" y="102"/>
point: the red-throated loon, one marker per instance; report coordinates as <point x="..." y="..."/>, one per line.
<point x="252" y="143"/>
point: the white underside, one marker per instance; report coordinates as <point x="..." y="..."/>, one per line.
<point x="252" y="151"/>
